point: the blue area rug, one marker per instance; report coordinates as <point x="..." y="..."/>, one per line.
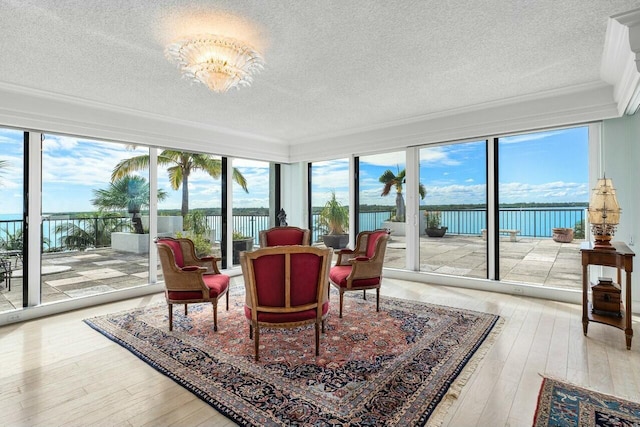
<point x="561" y="404"/>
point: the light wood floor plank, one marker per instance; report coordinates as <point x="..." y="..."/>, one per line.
<point x="58" y="371"/>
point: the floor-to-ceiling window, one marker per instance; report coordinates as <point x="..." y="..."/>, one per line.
<point x="330" y="202"/>
<point x="382" y="202"/>
<point x="93" y="238"/>
<point x="189" y="198"/>
<point x="543" y="186"/>
<point x="251" y="197"/>
<point x="11" y="218"/>
<point x="453" y="212"/>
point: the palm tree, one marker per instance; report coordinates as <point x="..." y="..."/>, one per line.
<point x="390" y="180"/>
<point x="96" y="231"/>
<point x="128" y="192"/>
<point x="180" y="165"/>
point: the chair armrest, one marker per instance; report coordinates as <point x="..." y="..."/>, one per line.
<point x="344" y="256"/>
<point x="193" y="268"/>
<point x="361" y="258"/>
<point x="210" y="263"/>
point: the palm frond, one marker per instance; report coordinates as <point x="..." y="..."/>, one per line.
<point x="127" y="166"/>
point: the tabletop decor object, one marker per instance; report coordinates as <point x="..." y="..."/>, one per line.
<point x="604" y="213"/>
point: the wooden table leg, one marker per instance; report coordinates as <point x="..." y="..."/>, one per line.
<point x="585" y="299"/>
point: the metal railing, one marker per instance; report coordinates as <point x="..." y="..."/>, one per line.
<point x="530" y="222"/>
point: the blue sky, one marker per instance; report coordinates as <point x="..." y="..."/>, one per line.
<point x="550" y="167"/>
<point x="546" y="166"/>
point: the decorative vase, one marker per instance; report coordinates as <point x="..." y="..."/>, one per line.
<point x="241" y="245"/>
<point x="562" y="235"/>
<point x="436" y="232"/>
<point x="335" y="241"/>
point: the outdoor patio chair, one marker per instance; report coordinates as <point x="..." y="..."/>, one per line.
<point x="189" y="279"/>
<point x="5" y="272"/>
<point x="284" y="236"/>
<point x="286" y="287"/>
<point x="361" y="268"/>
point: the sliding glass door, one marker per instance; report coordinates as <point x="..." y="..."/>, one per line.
<point x="11" y="218"/>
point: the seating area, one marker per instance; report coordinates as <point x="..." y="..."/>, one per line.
<point x="286" y="280"/>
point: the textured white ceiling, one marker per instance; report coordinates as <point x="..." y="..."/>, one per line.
<point x="332" y="66"/>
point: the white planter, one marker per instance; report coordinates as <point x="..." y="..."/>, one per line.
<point x="130" y="242"/>
<point x="396" y="228"/>
<point x="167" y="225"/>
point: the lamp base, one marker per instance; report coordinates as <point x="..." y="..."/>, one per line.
<point x="603" y="243"/>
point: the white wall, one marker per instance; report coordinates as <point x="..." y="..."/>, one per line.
<point x="295" y="193"/>
<point x="621" y="163"/>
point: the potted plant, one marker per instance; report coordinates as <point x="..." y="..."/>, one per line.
<point x="334" y="220"/>
<point x="433" y="226"/>
<point x="562" y="235"/>
<point x="241" y="243"/>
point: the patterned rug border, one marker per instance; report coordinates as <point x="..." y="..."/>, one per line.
<point x="551" y="381"/>
<point x="457" y="384"/>
<point x="452" y="387"/>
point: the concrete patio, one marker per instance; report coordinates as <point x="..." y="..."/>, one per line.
<point x="69" y="275"/>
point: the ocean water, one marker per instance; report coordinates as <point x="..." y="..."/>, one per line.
<point x="533" y="222"/>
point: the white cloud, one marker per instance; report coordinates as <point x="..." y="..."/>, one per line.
<point x="396" y="158"/>
<point x="527" y="137"/>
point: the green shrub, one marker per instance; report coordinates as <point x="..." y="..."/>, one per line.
<point x="201" y="244"/>
<point x="578" y="230"/>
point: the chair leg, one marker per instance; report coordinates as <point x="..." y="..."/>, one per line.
<point x="364" y="294"/>
<point x="323" y="329"/>
<point x="185" y="309"/>
<point x="170" y="317"/>
<point x="317" y="339"/>
<point x="227" y="300"/>
<point x="256" y="343"/>
<point x="341" y="297"/>
<point x="377" y="299"/>
<point x="215" y="316"/>
<point x="250" y="331"/>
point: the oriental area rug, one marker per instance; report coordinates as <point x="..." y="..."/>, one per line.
<point x="402" y="366"/>
<point x="561" y="404"/>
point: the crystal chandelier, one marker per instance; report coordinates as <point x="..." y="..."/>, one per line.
<point x="218" y="62"/>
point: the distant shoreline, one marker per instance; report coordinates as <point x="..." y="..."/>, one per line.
<point x="367" y="208"/>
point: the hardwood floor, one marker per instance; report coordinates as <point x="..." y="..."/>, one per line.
<point x="57" y="371"/>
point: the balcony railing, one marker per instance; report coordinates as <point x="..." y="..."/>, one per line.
<point x="536" y="223"/>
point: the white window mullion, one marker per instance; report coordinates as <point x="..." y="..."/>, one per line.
<point x="34" y="218"/>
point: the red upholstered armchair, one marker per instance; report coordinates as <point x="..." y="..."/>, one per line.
<point x="286" y="287"/>
<point x="285" y="236"/>
<point x="361" y="268"/>
<point x="189" y="279"/>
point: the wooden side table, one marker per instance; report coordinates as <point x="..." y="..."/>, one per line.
<point x="622" y="259"/>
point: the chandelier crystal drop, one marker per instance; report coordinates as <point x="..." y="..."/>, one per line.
<point x="219" y="62"/>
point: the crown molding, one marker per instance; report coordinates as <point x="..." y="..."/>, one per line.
<point x="38" y="110"/>
<point x="621" y="58"/>
<point x="578" y="104"/>
<point x="544" y="95"/>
